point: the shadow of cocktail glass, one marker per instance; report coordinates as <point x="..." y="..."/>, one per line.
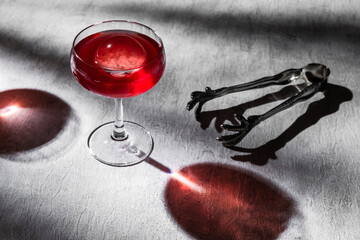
<point x="216" y="201"/>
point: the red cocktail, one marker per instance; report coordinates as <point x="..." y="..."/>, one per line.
<point x="118" y="59"/>
<point x="118" y="63"/>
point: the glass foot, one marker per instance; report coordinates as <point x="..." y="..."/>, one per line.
<point x="120" y="153"/>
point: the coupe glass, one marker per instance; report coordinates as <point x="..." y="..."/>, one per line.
<point x="118" y="59"/>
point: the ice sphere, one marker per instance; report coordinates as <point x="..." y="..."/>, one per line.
<point x="120" y="52"/>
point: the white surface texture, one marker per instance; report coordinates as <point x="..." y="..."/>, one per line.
<point x="308" y="188"/>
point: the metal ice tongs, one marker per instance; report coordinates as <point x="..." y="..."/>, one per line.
<point x="315" y="76"/>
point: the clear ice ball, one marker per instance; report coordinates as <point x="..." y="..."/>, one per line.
<point x="120" y="52"/>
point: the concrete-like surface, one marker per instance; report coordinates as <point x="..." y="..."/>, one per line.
<point x="51" y="188"/>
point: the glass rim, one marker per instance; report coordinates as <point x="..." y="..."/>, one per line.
<point x="110" y="69"/>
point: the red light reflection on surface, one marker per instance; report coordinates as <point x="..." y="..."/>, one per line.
<point x="212" y="201"/>
<point x="187" y="183"/>
<point x="30" y="118"/>
<point x="9" y="110"/>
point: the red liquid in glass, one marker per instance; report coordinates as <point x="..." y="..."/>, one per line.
<point x="118" y="63"/>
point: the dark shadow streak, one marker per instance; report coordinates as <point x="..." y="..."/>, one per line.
<point x="306" y="28"/>
<point x="222" y="115"/>
<point x="28" y="224"/>
<point x="43" y="56"/>
<point x="333" y="97"/>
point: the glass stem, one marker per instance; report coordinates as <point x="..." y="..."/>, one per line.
<point x="119" y="132"/>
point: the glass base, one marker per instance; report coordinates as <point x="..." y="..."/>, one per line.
<point x="120" y="153"/>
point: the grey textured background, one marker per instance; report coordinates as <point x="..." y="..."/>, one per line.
<point x="56" y="190"/>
